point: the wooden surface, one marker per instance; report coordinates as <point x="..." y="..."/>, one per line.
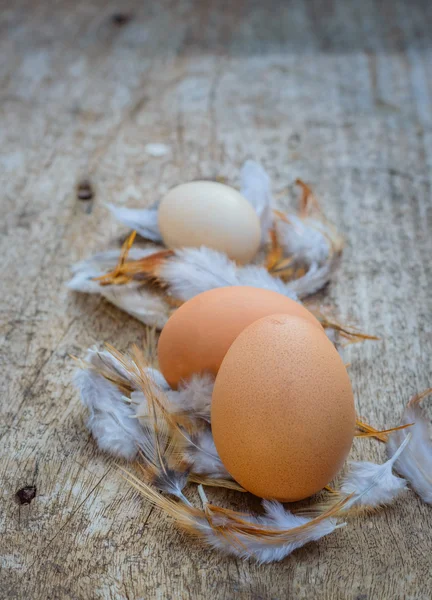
<point x="338" y="93"/>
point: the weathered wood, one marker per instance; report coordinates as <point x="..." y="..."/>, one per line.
<point x="337" y="93"/>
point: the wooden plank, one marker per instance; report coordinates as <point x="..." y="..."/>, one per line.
<point x="337" y="93"/>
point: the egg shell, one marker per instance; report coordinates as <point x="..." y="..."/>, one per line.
<point x="197" y="336"/>
<point x="207" y="213"/>
<point x="282" y="410"/>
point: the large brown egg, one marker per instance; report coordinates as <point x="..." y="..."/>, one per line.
<point x="282" y="411"/>
<point x="198" y="335"/>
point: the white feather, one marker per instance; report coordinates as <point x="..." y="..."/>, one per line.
<point x="136" y="299"/>
<point x="142" y="220"/>
<point x="304" y="239"/>
<point x="374" y="485"/>
<point x="313" y="281"/>
<point x="111" y="420"/>
<point x="256" y="188"/>
<point x="416" y="463"/>
<point x="194" y="270"/>
<point x="259" y="277"/>
<point x="140" y="302"/>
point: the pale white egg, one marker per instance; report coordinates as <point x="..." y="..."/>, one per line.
<point x="207" y="213"/>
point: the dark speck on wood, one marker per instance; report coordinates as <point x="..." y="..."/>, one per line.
<point x="84" y="190"/>
<point x="26" y="494"/>
<point x="120" y="19"/>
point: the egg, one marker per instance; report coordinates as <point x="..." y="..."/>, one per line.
<point x="197" y="336"/>
<point x="282" y="409"/>
<point x="206" y="213"/>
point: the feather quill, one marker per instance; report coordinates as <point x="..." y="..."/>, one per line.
<point x="416" y="463"/>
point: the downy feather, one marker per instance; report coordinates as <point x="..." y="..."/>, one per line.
<point x="106" y="363"/>
<point x="193" y="396"/>
<point x="313" y="281"/>
<point x="134" y="298"/>
<point x="194" y="270"/>
<point x="111" y="420"/>
<point x="142" y="220"/>
<point x="256" y="188"/>
<point x="416" y="463"/>
<point x="140" y="302"/>
<point x="374" y="485"/>
<point x="303" y="239"/>
<point x="204" y="457"/>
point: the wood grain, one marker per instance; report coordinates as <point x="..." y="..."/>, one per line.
<point x="337" y="93"/>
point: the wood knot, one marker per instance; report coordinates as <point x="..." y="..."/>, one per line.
<point x="120" y="19"/>
<point x="26" y="494"/>
<point x="85" y="190"/>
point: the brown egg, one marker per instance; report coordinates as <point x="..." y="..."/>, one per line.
<point x="282" y="412"/>
<point x="198" y="335"/>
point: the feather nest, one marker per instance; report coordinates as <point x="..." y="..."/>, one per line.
<point x="175" y="446"/>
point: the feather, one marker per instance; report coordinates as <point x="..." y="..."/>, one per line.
<point x="374" y="485"/>
<point x="103" y="381"/>
<point x="194" y="396"/>
<point x="142" y="220"/>
<point x="193" y="399"/>
<point x="163" y="461"/>
<point x="316" y="278"/>
<point x="111" y="421"/>
<point x="256" y="188"/>
<point x="266" y="539"/>
<point x="140" y="301"/>
<point x="203" y="456"/>
<point x="107" y="363"/>
<point x="416" y="463"/>
<point x="219" y="482"/>
<point x="269" y="538"/>
<point x="194" y="270"/>
<point x="303" y="239"/>
<point x="87" y="271"/>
